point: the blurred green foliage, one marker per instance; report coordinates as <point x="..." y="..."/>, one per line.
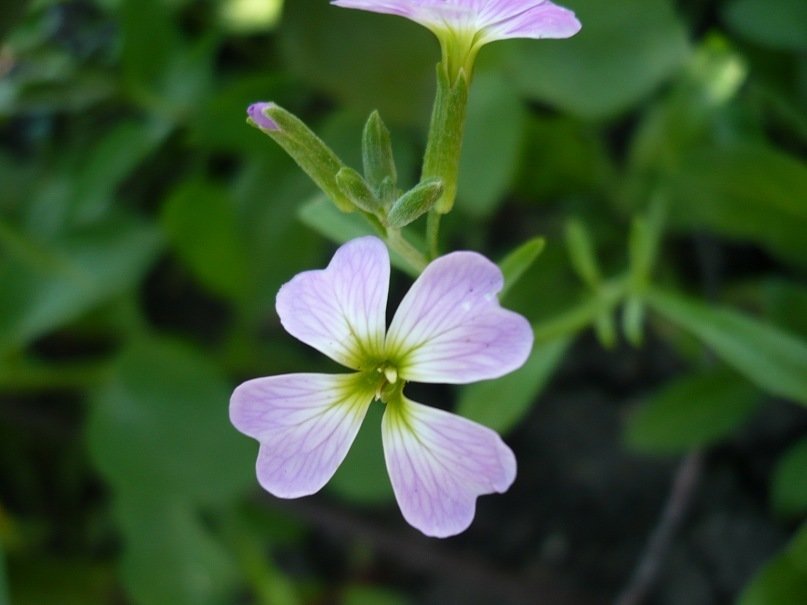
<point x="145" y="230"/>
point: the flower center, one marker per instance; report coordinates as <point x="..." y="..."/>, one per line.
<point x="387" y="384"/>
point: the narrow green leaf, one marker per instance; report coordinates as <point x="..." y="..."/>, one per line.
<point x="770" y="358"/>
<point x="501" y="403"/>
<point x="691" y="412"/>
<point x="789" y="482"/>
<point x="581" y="252"/>
<point x="515" y="264"/>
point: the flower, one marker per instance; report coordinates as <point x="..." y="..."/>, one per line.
<point x="463" y="26"/>
<point x="449" y="328"/>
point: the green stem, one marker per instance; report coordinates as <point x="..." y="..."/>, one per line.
<point x="433" y="234"/>
<point x="413" y="256"/>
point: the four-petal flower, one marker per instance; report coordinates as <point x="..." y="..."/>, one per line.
<point x="449" y="328"/>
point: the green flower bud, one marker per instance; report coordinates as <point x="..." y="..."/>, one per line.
<point x="414" y="203"/>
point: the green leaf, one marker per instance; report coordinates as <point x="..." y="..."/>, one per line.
<point x="770" y="358"/>
<point x="159" y="425"/>
<point x="200" y="221"/>
<point x="94" y="265"/>
<point x="789" y="482"/>
<point x="518" y="261"/>
<point x="783" y="580"/>
<point x="169" y="556"/>
<point x="747" y="192"/>
<point x="362" y="478"/>
<point x="494" y="130"/>
<point x="502" y="403"/>
<point x="780" y="24"/>
<point x="691" y="412"/>
<point x="606" y="68"/>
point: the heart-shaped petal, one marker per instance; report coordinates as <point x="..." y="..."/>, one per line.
<point x="439" y="463"/>
<point x="341" y="310"/>
<point x="305" y="424"/>
<point x="450" y="327"/>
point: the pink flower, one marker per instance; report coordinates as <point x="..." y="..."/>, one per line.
<point x="449" y="328"/>
<point x="482" y="20"/>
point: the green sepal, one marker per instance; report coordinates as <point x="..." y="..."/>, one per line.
<point x="581" y="252"/>
<point x="633" y="314"/>
<point x="357" y="190"/>
<point x="377" y="157"/>
<point x="415" y="203"/>
<point x="516" y="263"/>
<point x="442" y="157"/>
<point x="316" y="159"/>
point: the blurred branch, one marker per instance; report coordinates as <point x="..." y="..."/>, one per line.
<point x="427" y="556"/>
<point x="647" y="570"/>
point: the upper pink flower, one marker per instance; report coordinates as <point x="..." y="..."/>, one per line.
<point x="449" y="328"/>
<point x="486" y="20"/>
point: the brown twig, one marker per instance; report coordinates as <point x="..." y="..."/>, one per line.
<point x="658" y="545"/>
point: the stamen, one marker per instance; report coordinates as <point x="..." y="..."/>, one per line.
<point x="391" y="374"/>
